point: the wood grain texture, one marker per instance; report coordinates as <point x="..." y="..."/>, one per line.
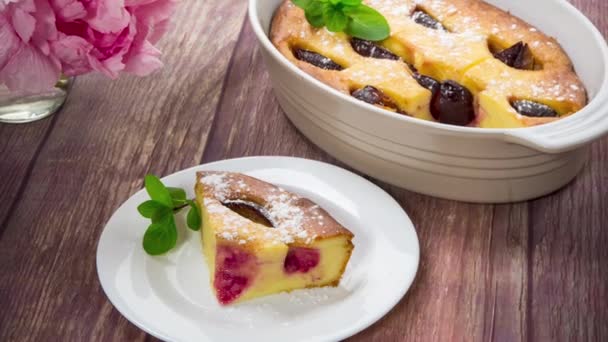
<point x="19" y="147"/>
<point x="249" y="120"/>
<point x="531" y="271"/>
<point x="568" y="262"/>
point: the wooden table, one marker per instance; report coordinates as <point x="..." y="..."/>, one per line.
<point x="533" y="271"/>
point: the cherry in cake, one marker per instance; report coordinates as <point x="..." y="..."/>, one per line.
<point x="259" y="239"/>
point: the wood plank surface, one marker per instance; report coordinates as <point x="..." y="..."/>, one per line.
<point x="534" y="271"/>
<point x="19" y="147"/>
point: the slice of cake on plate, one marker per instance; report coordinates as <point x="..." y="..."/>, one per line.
<point x="259" y="239"/>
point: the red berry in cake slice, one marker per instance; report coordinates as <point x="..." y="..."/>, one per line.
<point x="234" y="269"/>
<point x="259" y="239"/>
<point x="301" y="260"/>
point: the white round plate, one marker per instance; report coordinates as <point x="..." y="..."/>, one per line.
<point x="170" y="297"/>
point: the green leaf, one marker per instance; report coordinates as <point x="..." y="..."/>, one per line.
<point x="367" y="23"/>
<point x="303" y="4"/>
<point x="314" y="14"/>
<point x="351" y="3"/>
<point x="153" y="210"/>
<point x="194" y="217"/>
<point x="160" y="237"/>
<point x="349" y="16"/>
<point x="178" y="196"/>
<point x="177" y="193"/>
<point x="157" y="191"/>
<point x="148" y="208"/>
<point x="335" y="19"/>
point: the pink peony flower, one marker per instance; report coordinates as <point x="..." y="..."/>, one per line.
<point x="45" y="38"/>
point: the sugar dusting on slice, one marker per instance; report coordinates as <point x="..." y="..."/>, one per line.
<point x="287" y="217"/>
<point x="217" y="181"/>
<point x="281" y="209"/>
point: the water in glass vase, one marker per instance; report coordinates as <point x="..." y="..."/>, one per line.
<point x="22" y="107"/>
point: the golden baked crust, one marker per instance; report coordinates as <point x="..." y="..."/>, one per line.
<point x="463" y="53"/>
<point x="297" y="221"/>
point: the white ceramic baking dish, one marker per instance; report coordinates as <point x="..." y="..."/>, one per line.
<point x="461" y="163"/>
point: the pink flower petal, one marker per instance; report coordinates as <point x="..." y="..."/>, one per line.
<point x="26" y="5"/>
<point x="109" y="16"/>
<point x="40" y="38"/>
<point x="145" y="62"/>
<point x="30" y="70"/>
<point x="46" y="28"/>
<point x="24" y="24"/>
<point x="111" y="67"/>
<point x="69" y="10"/>
<point x="73" y="53"/>
<point x="5" y="3"/>
<point x="153" y="10"/>
<point x="159" y="30"/>
<point x="10" y="41"/>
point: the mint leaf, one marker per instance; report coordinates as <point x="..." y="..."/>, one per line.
<point x="367" y="23"/>
<point x="194" y="217"/>
<point x="153" y="210"/>
<point x="160" y="237"/>
<point x="303" y="4"/>
<point x="314" y="13"/>
<point x="157" y="191"/>
<point x="177" y="193"/>
<point x="335" y="19"/>
<point x="178" y="196"/>
<point x="349" y="16"/>
<point x="351" y="3"/>
<point x="149" y="208"/>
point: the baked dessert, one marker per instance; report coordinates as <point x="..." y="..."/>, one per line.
<point x="259" y="239"/>
<point x="459" y="62"/>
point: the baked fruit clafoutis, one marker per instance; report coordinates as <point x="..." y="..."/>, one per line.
<point x="459" y="62"/>
<point x="259" y="239"/>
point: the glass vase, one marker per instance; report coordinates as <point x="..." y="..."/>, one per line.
<point x="23" y="107"/>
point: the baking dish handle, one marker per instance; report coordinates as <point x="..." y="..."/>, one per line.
<point x="567" y="134"/>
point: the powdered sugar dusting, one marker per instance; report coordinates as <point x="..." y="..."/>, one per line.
<point x="280" y="208"/>
<point x="286" y="217"/>
<point x="233" y="224"/>
<point x="314" y="297"/>
<point x="218" y="182"/>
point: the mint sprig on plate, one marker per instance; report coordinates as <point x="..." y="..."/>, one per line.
<point x="349" y="16"/>
<point x="161" y="235"/>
